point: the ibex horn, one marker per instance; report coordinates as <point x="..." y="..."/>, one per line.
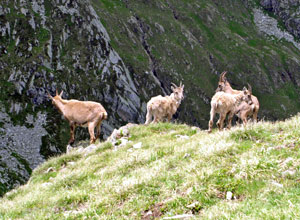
<point x="223" y="75"/>
<point x="173" y="84"/>
<point x="249" y="88"/>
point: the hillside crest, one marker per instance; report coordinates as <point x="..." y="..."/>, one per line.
<point x="166" y="170"/>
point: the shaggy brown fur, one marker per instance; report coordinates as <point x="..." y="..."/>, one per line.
<point x="160" y="107"/>
<point x="226" y="104"/>
<point x="80" y="113"/>
<point x="225" y="86"/>
<point x="244" y="111"/>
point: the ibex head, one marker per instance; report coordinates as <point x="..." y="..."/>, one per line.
<point x="222" y="82"/>
<point x="177" y="91"/>
<point x="247" y="94"/>
<point x="56" y="99"/>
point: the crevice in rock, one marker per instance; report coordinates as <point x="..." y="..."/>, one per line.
<point x="153" y="62"/>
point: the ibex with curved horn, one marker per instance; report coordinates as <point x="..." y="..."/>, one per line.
<point x="80" y="113"/>
<point x="160" y="107"/>
<point x="245" y="111"/>
<point x="227" y="104"/>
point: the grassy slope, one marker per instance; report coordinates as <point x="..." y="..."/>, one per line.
<point x="169" y="173"/>
<point x="206" y="36"/>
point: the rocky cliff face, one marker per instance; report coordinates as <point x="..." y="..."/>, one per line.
<point x="49" y="45"/>
<point x="288" y="11"/>
<point x="121" y="53"/>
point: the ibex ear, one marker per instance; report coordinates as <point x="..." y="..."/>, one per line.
<point x="244" y="89"/>
<point x="61" y="93"/>
<point x="182" y="86"/>
<point x="56" y="92"/>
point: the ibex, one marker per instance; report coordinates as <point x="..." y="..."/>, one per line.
<point x="243" y="111"/>
<point x="226" y="104"/>
<point x="80" y="113"/>
<point x="160" y="107"/>
<point x="225" y="86"/>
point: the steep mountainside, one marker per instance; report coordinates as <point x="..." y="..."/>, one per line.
<point x="121" y="53"/>
<point x="194" y="41"/>
<point x="47" y="45"/>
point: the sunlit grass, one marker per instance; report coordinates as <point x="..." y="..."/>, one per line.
<point x="176" y="166"/>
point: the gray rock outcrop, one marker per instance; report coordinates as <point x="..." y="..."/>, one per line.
<point x="54" y="45"/>
<point x="288" y="11"/>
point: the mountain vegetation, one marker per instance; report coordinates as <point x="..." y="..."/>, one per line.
<point x="121" y="53"/>
<point x="168" y="170"/>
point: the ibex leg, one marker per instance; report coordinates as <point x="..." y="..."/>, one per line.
<point x="169" y="117"/>
<point x="230" y="116"/>
<point x="148" y="117"/>
<point x="72" y="133"/>
<point x="211" y="121"/>
<point x="98" y="129"/>
<point x="91" y="127"/>
<point x="220" y="122"/>
<point x="255" y="116"/>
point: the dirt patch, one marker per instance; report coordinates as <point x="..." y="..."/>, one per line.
<point x="240" y="198"/>
<point x="154" y="212"/>
<point x="221" y="195"/>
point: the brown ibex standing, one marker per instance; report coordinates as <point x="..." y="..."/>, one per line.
<point x="225" y="86"/>
<point x="226" y="104"/>
<point x="80" y="113"/>
<point x="243" y="111"/>
<point x="159" y="106"/>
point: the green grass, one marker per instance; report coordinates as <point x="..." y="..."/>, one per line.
<point x="43" y="35"/>
<point x="237" y="28"/>
<point x="168" y="174"/>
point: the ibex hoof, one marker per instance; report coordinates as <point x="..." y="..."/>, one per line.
<point x="92" y="141"/>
